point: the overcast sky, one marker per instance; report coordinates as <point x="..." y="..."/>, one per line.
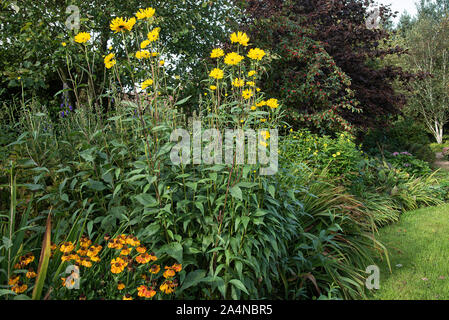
<point x="401" y="6"/>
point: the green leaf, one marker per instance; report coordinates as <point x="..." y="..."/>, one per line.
<point x="174" y="250"/>
<point x="147" y="200"/>
<point x="192" y="279"/>
<point x="236" y="192"/>
<point x="239" y="285"/>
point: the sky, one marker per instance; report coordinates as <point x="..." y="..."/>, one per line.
<point x="401" y="6"/>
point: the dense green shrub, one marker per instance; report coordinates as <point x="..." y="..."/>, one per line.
<point x="403" y="135"/>
<point x="339" y="156"/>
<point x="408" y="163"/>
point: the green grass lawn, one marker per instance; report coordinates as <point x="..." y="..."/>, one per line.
<point x="419" y="254"/>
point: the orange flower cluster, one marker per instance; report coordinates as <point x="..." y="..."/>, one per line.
<point x="144" y="291"/>
<point x="171" y="271"/>
<point x="84" y="256"/>
<point x="24" y="261"/>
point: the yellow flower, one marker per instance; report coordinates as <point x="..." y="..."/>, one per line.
<point x="334" y="155"/>
<point x="130" y="23"/>
<point x="261" y="103"/>
<point x="272" y="103"/>
<point x="263" y="120"/>
<point x="63" y="44"/>
<point x="66" y="247"/>
<point x="265" y="134"/>
<point x="252" y="73"/>
<point x="142" y="54"/>
<point x="217" y="53"/>
<point x="338" y="153"/>
<point x="109" y="61"/>
<point x="240" y="37"/>
<point x="256" y="54"/>
<point x="250" y="83"/>
<point x="258" y="89"/>
<point x="213" y="87"/>
<point x="253" y="108"/>
<point x="154" y="34"/>
<point x="144" y="44"/>
<point x="246" y="94"/>
<point x="120" y="285"/>
<point x="167" y="287"/>
<point x="127" y="297"/>
<point x="161" y="63"/>
<point x="82" y="37"/>
<point x="146" y="84"/>
<point x="216" y="74"/>
<point x="118" y="25"/>
<point x="238" y="82"/>
<point x="145" y="13"/>
<point x="154" y="54"/>
<point x="233" y="58"/>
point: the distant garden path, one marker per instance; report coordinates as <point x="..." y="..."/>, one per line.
<point x="440" y="162"/>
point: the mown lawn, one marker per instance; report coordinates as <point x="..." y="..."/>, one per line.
<point x="419" y="253"/>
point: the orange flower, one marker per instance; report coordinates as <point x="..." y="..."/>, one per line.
<point x="177" y="267"/>
<point x="141" y="249"/>
<point x="155" y="268"/>
<point x="143" y="291"/>
<point x="169" y="272"/>
<point x="120" y="285"/>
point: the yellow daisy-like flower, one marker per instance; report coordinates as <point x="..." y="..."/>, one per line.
<point x="217" y="53"/>
<point x="272" y="103"/>
<point x="253" y="108"/>
<point x="246" y="94"/>
<point x="216" y="73"/>
<point x="154" y="34"/>
<point x="265" y="134"/>
<point x="144" y="44"/>
<point x="261" y="103"/>
<point x="256" y="54"/>
<point x="213" y="87"/>
<point x="130" y="23"/>
<point x="240" y="37"/>
<point x="63" y="44"/>
<point x="67" y="247"/>
<point x="118" y="25"/>
<point x="82" y="37"/>
<point x="142" y="54"/>
<point x="238" y="82"/>
<point x="146" y="84"/>
<point x="162" y="63"/>
<point x="233" y="58"/>
<point x="127" y="297"/>
<point x="109" y="61"/>
<point x="145" y="13"/>
<point x="252" y="73"/>
<point x="250" y="83"/>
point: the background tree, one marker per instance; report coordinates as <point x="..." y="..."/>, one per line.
<point x="429" y="53"/>
<point x="337" y="60"/>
